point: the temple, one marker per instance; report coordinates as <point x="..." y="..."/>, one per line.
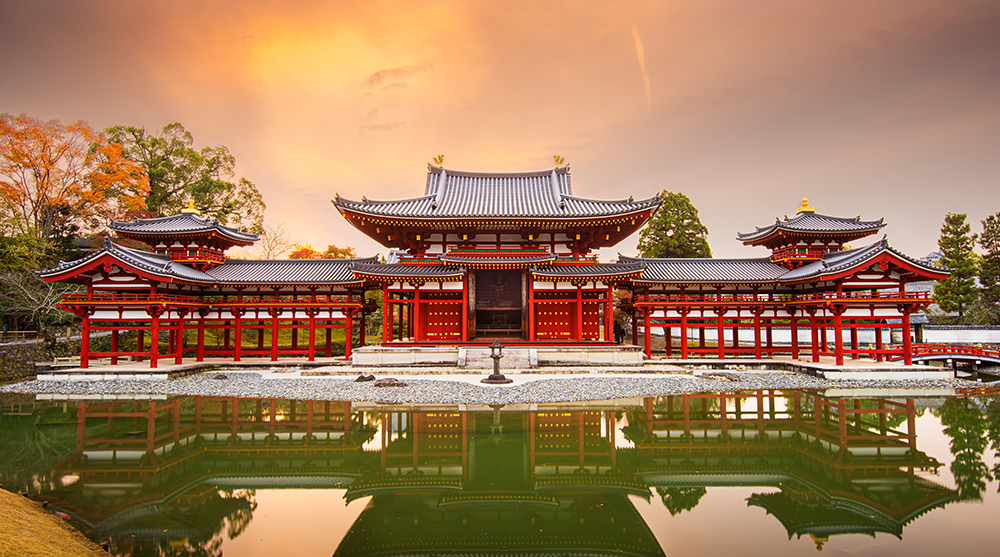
<point x="481" y="256"/>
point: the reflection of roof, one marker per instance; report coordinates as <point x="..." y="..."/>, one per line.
<point x="183" y="223"/>
<point x="287" y="271"/>
<point x="543" y="194"/>
<point x="823" y="519"/>
<point x="814" y="223"/>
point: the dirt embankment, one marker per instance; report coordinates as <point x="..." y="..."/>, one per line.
<point x="27" y="530"/>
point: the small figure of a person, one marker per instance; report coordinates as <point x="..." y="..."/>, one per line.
<point x="619" y="333"/>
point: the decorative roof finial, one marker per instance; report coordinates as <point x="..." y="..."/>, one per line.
<point x="190" y="209"/>
<point x="559" y="160"/>
<point x="805" y="208"/>
<point x="439" y="160"/>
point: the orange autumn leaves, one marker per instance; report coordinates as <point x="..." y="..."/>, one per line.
<point x="58" y="179"/>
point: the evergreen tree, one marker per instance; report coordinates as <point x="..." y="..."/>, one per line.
<point x="967" y="425"/>
<point x="958" y="291"/>
<point x="675" y="230"/>
<point x="989" y="268"/>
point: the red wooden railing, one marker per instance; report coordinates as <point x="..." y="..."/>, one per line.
<point x="953" y="349"/>
<point x="778" y="299"/>
<point x="129" y="298"/>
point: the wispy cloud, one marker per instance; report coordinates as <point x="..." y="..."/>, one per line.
<point x="394" y="75"/>
<point x="641" y="54"/>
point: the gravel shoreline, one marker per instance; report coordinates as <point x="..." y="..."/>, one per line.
<point x="441" y="390"/>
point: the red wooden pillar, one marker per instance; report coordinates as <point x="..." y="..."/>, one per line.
<point x="531" y="308"/>
<point x="329" y="340"/>
<point x="609" y="316"/>
<point x="756" y="333"/>
<point x="200" y="349"/>
<point x="635" y="328"/>
<point x="274" y="313"/>
<point x="578" y="332"/>
<point x="179" y="336"/>
<point x="465" y="308"/>
<point x="721" y="326"/>
<point x="85" y="340"/>
<point x="768" y="326"/>
<point x="649" y="341"/>
<point x="238" y="344"/>
<point x="878" y="341"/>
<point x="684" y="333"/>
<point x="312" y="335"/>
<point x="114" y="347"/>
<point x="668" y="341"/>
<point x="794" y="324"/>
<point x="815" y="337"/>
<point x="854" y="339"/>
<point x="348" y="335"/>
<point x="140" y="344"/>
<point x="419" y="332"/>
<point x="907" y="343"/>
<point x="154" y="337"/>
<point x="838" y="335"/>
<point x="386" y="334"/>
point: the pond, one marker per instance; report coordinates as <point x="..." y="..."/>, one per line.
<point x="750" y="473"/>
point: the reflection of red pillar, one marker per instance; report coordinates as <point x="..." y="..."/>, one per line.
<point x="911" y="424"/>
<point x="81" y="425"/>
<point x="150" y="427"/>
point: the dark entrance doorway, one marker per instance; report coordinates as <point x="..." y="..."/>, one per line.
<point x="499" y="303"/>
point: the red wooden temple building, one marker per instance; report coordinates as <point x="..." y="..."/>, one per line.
<point x="485" y="255"/>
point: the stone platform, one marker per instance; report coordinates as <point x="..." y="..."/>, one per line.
<point x="478" y="357"/>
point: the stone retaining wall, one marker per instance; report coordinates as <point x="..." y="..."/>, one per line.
<point x="17" y="361"/>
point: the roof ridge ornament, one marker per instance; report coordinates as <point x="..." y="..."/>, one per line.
<point x="190" y="209"/>
<point x="805" y="208"/>
<point x="556" y="196"/>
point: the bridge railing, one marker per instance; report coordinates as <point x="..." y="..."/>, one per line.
<point x="939" y="349"/>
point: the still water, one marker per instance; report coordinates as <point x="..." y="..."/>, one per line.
<point x="748" y="473"/>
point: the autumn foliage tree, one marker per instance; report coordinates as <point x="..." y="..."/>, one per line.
<point x="58" y="180"/>
<point x="179" y="172"/>
<point x="332" y="252"/>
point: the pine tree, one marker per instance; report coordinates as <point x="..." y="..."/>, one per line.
<point x="989" y="269"/>
<point x="675" y="231"/>
<point x="958" y="291"/>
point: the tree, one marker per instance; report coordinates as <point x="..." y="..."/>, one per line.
<point x="333" y="252"/>
<point x="57" y="181"/>
<point x="273" y="243"/>
<point x="989" y="268"/>
<point x="305" y="252"/>
<point x="958" y="291"/>
<point x="24" y="296"/>
<point x="966" y="425"/>
<point x="178" y="172"/>
<point x="675" y="230"/>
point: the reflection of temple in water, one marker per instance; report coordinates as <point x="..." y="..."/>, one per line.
<point x="183" y="471"/>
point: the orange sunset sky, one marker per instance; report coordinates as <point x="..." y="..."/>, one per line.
<point x="881" y="108"/>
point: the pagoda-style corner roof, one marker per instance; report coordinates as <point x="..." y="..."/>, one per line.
<point x="144" y="262"/>
<point x="840" y="262"/>
<point x="451" y="194"/>
<point x="180" y="225"/>
<point x="809" y="223"/>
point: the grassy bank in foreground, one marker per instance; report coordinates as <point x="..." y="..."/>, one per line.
<point x="28" y="531"/>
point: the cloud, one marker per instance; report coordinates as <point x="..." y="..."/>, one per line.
<point x="641" y="54"/>
<point x="394" y="75"/>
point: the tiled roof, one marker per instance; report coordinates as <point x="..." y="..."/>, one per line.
<point x="813" y="222"/>
<point x="599" y="270"/>
<point x="287" y="271"/>
<point x="154" y="263"/>
<point x="183" y="223"/>
<point x="451" y="194"/>
<point x="406" y="271"/>
<point x="841" y="260"/>
<point x="711" y="271"/>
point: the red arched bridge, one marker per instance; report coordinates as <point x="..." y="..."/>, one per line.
<point x="959" y="353"/>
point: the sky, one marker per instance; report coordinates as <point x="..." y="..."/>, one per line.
<point x="884" y="109"/>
